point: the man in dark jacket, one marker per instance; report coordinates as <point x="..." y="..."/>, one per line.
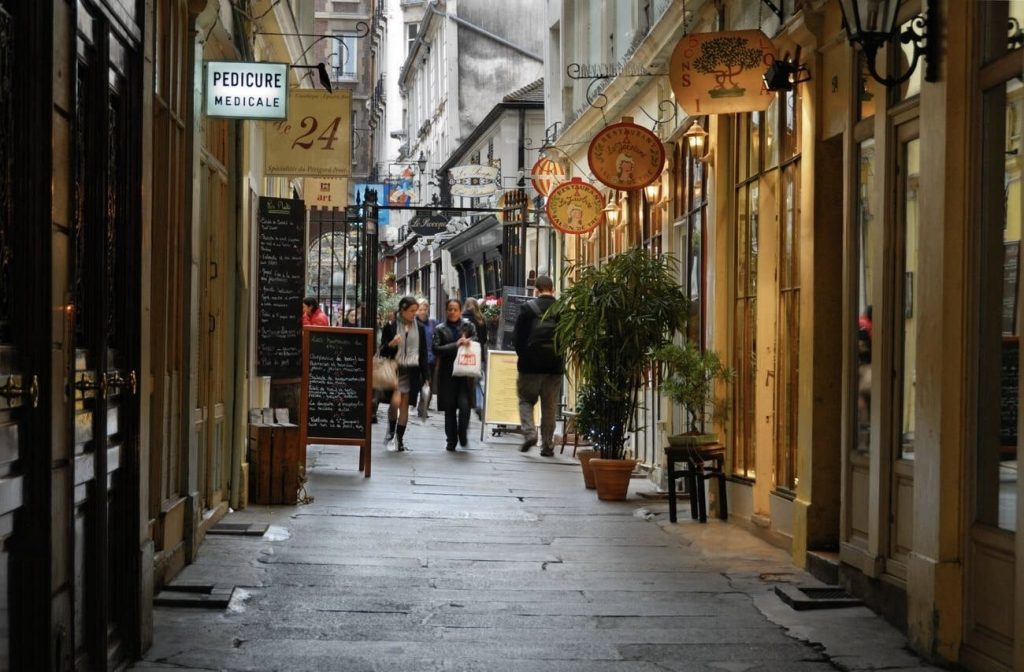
<point x="540" y="367"/>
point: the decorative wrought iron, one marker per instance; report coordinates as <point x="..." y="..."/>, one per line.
<point x="78" y="222"/>
<point x="113" y="212"/>
<point x="601" y="75"/>
<point x="6" y="173"/>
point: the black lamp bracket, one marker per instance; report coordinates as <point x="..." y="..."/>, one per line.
<point x="777" y="11"/>
<point x="922" y="32"/>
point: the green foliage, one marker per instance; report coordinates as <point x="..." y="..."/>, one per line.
<point x="611" y="320"/>
<point x="731" y="53"/>
<point x="690" y="378"/>
<point x="387" y="303"/>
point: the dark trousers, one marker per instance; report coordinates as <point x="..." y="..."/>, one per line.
<point x="456" y="414"/>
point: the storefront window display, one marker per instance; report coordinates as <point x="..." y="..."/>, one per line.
<point x="866" y="230"/>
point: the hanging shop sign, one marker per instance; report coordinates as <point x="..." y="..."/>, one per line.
<point x="325" y="192"/>
<point x="474" y="181"/>
<point x="626" y="156"/>
<point x="316" y="138"/>
<point x="722" y="73"/>
<point x="242" y="90"/>
<point x="428" y="222"/>
<point x="575" y="207"/>
<point x="546" y="175"/>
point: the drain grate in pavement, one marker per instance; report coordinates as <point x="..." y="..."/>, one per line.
<point x="240" y="529"/>
<point x="814" y="597"/>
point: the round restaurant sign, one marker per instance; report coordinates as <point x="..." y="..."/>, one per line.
<point x="626" y="156"/>
<point x="575" y="207"/>
<point x="545" y="175"/>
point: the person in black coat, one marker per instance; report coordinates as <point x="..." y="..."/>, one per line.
<point x="405" y="341"/>
<point x="455" y="395"/>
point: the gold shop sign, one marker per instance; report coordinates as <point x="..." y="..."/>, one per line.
<point x="721" y="73"/>
<point x="575" y="207"/>
<point x="626" y="156"/>
<point x="325" y="192"/>
<point x="316" y="138"/>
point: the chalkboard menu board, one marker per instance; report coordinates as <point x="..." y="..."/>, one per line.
<point x="280" y="286"/>
<point x="1008" y="391"/>
<point x="511" y="304"/>
<point x="336" y="383"/>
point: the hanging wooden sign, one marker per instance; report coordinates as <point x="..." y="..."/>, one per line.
<point x="546" y="175"/>
<point x="575" y="207"/>
<point x="721" y="73"/>
<point x="474" y="181"/>
<point x="626" y="156"/>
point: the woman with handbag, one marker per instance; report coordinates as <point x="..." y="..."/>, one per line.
<point x="455" y="395"/>
<point x="405" y="341"/>
<point x="471" y="310"/>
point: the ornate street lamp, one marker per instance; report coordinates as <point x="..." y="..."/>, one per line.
<point x="873" y="23"/>
<point x="696" y="139"/>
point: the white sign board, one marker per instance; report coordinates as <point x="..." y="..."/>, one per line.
<point x="243" y="90"/>
<point x="474" y="181"/>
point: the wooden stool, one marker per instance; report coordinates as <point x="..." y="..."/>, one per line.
<point x="694" y="461"/>
<point x="569" y="425"/>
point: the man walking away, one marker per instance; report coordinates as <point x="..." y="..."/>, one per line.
<point x="540" y="367"/>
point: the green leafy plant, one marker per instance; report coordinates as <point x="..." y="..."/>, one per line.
<point x="611" y="319"/>
<point x="387" y="304"/>
<point x="690" y="378"/>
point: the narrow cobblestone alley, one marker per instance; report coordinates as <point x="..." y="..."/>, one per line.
<point x="489" y="559"/>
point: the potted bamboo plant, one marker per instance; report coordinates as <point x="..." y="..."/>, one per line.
<point x="611" y="320"/>
<point x="690" y="377"/>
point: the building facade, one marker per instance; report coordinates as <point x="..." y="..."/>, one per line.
<point x="852" y="252"/>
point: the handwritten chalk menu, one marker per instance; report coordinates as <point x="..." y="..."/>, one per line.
<point x="511" y="304"/>
<point x="280" y="286"/>
<point x="336" y="377"/>
<point x="1008" y="391"/>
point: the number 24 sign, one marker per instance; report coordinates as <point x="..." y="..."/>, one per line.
<point x="316" y="138"/>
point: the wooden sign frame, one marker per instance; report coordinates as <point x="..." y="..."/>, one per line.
<point x="364" y="441"/>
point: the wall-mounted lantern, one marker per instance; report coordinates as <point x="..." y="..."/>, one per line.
<point x="873" y="24"/>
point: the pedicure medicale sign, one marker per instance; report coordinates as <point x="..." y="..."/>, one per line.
<point x="243" y="90"/>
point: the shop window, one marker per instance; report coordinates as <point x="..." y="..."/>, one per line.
<point x="908" y="281"/>
<point x="745" y="337"/>
<point x="866" y="231"/>
<point x="998" y="305"/>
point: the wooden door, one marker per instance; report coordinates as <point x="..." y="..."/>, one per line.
<point x="214" y="432"/>
<point x="104" y="348"/>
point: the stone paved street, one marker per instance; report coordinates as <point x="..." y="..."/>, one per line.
<point x="489" y="559"/>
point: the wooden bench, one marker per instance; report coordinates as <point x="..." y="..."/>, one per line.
<point x="694" y="464"/>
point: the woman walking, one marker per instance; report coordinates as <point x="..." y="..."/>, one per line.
<point x="405" y="341"/>
<point x="455" y="395"/>
<point x="472" y="311"/>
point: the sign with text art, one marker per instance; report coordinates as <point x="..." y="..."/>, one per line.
<point x="316" y="138"/>
<point x="575" y="207"/>
<point x="474" y="181"/>
<point x="721" y="73"/>
<point x="325" y="192"/>
<point x="626" y="156"/>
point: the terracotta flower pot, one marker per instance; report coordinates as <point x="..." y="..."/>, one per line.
<point x="584" y="457"/>
<point x="612" y="478"/>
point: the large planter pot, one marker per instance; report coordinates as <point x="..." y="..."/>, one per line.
<point x="585" y="456"/>
<point x="692" y="439"/>
<point x="612" y="478"/>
